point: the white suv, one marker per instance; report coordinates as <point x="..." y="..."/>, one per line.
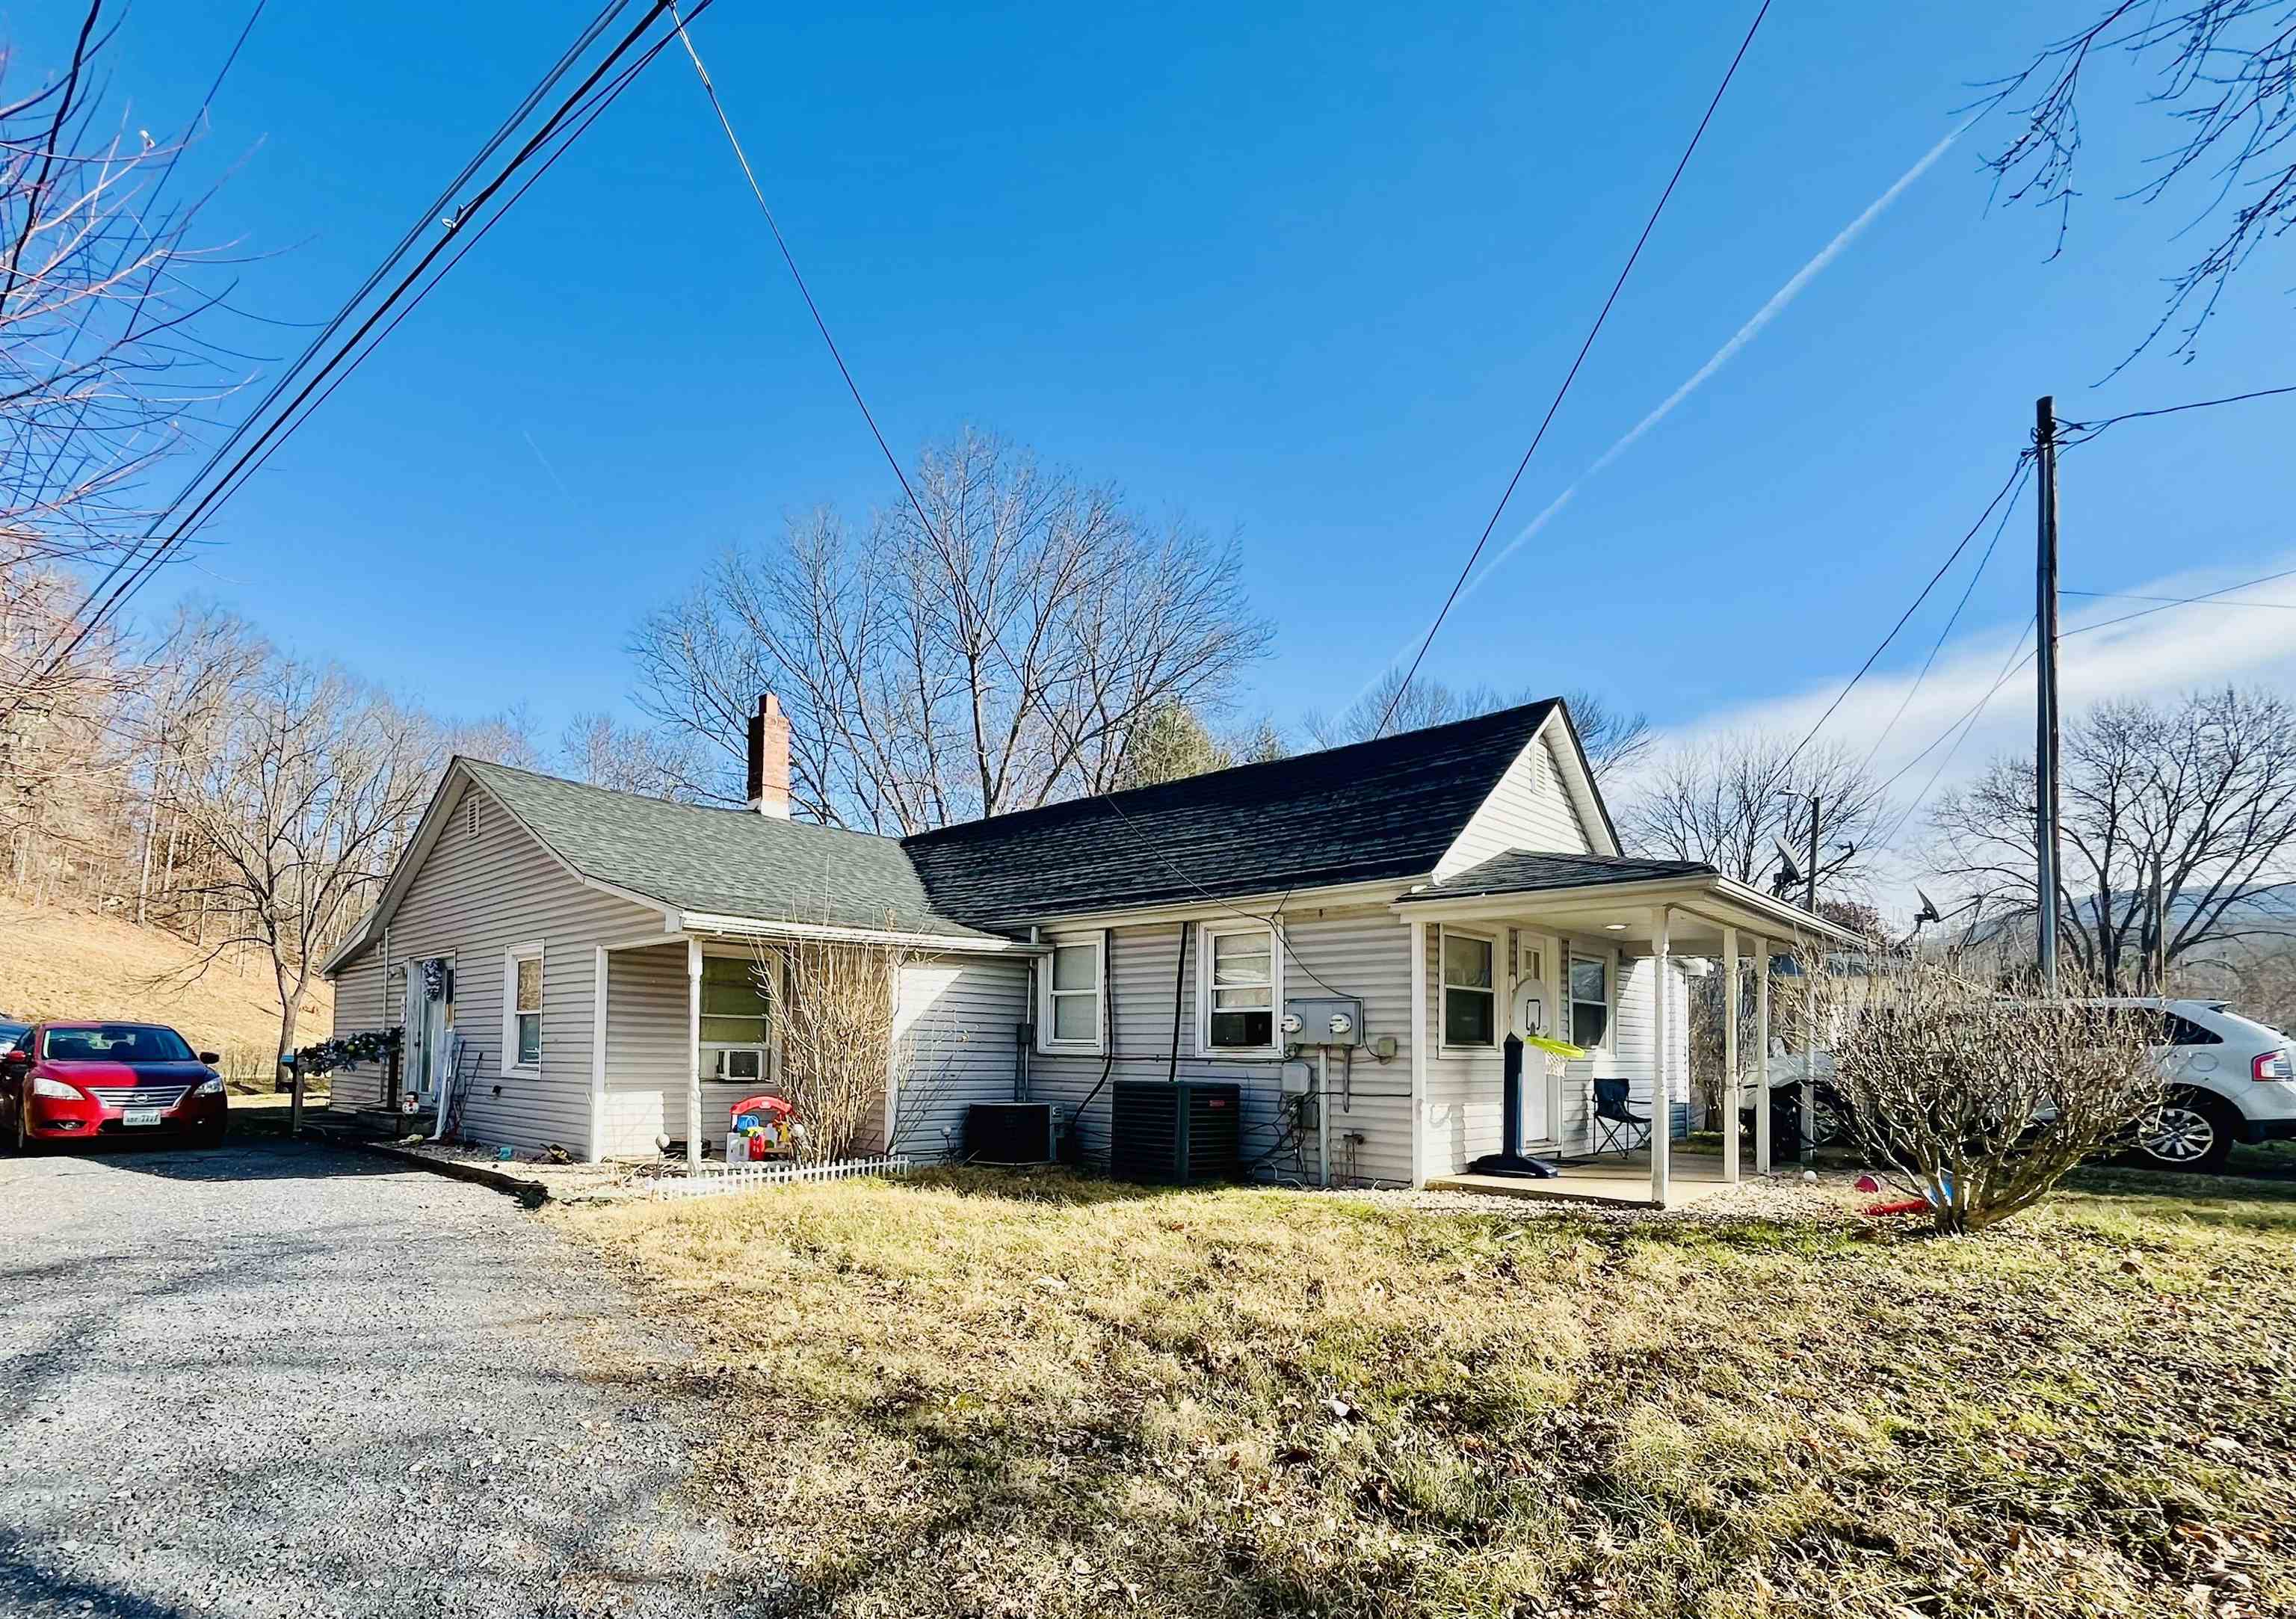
<point x="2230" y="1080"/>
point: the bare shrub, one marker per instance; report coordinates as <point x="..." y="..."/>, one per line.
<point x="838" y="1050"/>
<point x="1980" y="1101"/>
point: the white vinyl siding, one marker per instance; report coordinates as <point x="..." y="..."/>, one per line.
<point x="1535" y="806"/>
<point x="957" y="1024"/>
<point x="358" y="1010"/>
<point x="647" y="1052"/>
<point x="1364" y="952"/>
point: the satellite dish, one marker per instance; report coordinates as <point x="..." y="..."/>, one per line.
<point x="1928" y="911"/>
<point x="1788" y="872"/>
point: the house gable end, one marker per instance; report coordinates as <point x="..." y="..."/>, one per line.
<point x="1545" y="800"/>
<point x="449" y="816"/>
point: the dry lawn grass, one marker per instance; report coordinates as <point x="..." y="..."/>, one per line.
<point x="983" y="1394"/>
<point x="72" y="963"/>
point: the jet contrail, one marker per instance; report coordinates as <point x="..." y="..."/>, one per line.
<point x="1722" y="356"/>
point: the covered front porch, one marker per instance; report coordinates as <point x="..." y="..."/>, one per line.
<point x="1597" y="952"/>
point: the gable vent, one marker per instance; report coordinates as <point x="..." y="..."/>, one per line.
<point x="471" y="816"/>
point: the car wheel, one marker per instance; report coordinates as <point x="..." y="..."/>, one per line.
<point x="1830" y="1116"/>
<point x="2195" y="1132"/>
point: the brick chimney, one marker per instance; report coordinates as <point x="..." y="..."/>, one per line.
<point x="769" y="766"/>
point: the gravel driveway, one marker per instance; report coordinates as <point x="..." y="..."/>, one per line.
<point x="285" y="1379"/>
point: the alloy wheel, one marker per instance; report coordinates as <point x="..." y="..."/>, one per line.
<point x="2184" y="1135"/>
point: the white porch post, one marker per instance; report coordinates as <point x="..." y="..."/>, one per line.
<point x="1662" y="1102"/>
<point x="1418" y="1055"/>
<point x="1730" y="1055"/>
<point x="1762" y="1056"/>
<point x="598" y="1058"/>
<point x="693" y="1053"/>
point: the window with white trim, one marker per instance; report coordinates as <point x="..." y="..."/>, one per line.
<point x="1237" y="986"/>
<point x="1590" y="1001"/>
<point x="1068" y="1017"/>
<point x="736" y="1020"/>
<point x="1471" y="994"/>
<point x="522" y="1009"/>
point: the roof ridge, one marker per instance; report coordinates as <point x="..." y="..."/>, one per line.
<point x="649" y="798"/>
<point x="1231" y="772"/>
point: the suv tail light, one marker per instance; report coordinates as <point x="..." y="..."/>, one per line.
<point x="2272" y="1065"/>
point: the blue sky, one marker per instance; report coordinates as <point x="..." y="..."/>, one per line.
<point x="1309" y="274"/>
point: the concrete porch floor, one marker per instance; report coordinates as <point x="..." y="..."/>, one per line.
<point x="1612" y="1183"/>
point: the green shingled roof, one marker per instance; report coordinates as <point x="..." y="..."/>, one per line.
<point x="728" y="862"/>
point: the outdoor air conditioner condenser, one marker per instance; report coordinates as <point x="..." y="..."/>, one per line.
<point x="1011" y="1132"/>
<point x="1179" y="1134"/>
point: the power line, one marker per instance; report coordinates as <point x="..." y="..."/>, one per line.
<point x="789" y="259"/>
<point x="2090" y="429"/>
<point x="2207" y="597"/>
<point x="1965" y="725"/>
<point x="2016" y="476"/>
<point x="1937" y="645"/>
<point x="285" y="421"/>
<point x="1967" y="722"/>
<point x="2175" y="600"/>
<point x="423" y="221"/>
<point x="468" y="237"/>
<point x="1591" y="331"/>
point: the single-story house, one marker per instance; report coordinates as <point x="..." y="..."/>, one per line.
<point x="598" y="952"/>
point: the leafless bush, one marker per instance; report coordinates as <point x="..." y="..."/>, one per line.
<point x="1980" y="1101"/>
<point x="838" y="1048"/>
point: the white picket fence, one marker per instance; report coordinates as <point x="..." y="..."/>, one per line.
<point x="715" y="1181"/>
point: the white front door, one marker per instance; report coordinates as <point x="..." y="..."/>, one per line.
<point x="1534" y="1012"/>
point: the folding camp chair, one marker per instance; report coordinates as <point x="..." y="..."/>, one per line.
<point x="1618" y="1128"/>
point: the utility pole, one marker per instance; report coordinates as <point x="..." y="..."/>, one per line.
<point x="2044" y="718"/>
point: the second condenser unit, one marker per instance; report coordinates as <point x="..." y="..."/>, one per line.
<point x="1177" y="1134"/>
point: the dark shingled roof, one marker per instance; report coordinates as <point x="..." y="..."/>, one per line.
<point x="1367" y="812"/>
<point x="1520" y="871"/>
<point x="732" y="862"/>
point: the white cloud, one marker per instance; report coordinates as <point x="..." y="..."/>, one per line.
<point x="2161" y="654"/>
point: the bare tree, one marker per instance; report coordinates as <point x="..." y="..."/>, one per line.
<point x="2225" y="72"/>
<point x="599" y="750"/>
<point x="101" y="360"/>
<point x="2198" y="801"/>
<point x="1982" y="1104"/>
<point x="301" y="804"/>
<point x="504" y="738"/>
<point x="1614" y="737"/>
<point x="1730" y="801"/>
<point x="995" y="655"/>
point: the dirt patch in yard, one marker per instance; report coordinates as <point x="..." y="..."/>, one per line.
<point x="983" y="1394"/>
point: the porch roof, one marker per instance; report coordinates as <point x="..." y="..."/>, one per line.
<point x="1617" y="897"/>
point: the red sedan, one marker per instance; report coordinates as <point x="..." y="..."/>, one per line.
<point x="108" y="1082"/>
